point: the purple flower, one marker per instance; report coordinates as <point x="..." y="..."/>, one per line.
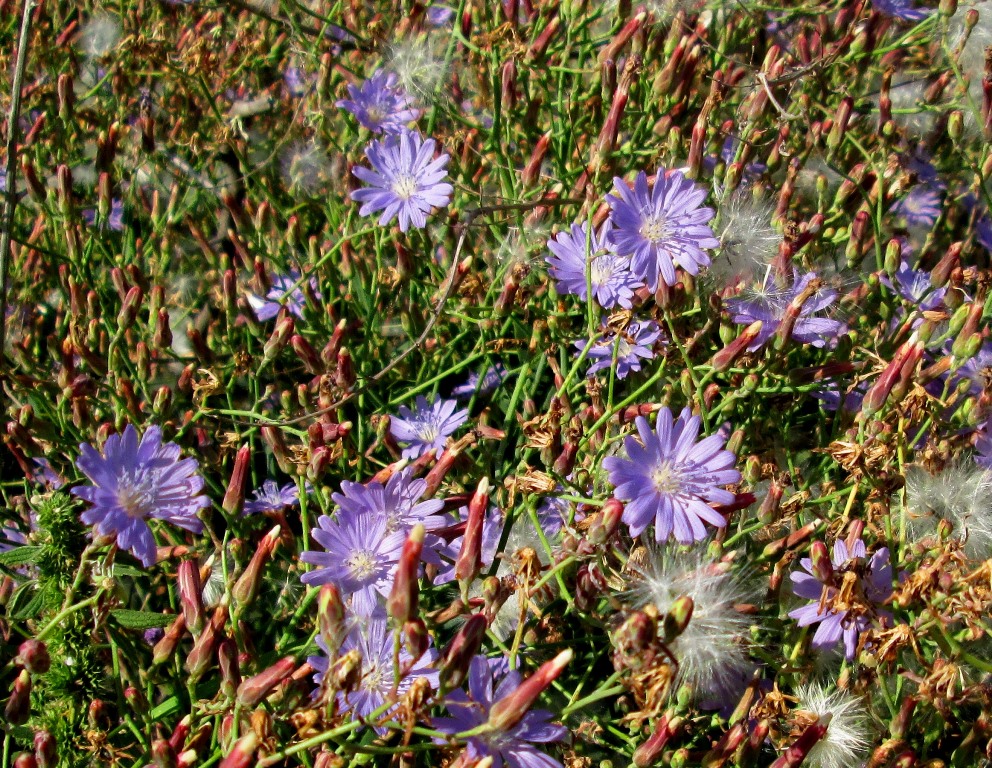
<point x="668" y="477"/>
<point x="920" y="208"/>
<point x="359" y="556"/>
<point x="137" y="478"/>
<point x="902" y="9"/>
<point x="769" y="305"/>
<point x="374" y="641"/>
<point x="875" y="584"/>
<point x="380" y="104"/>
<point x="405" y="181"/>
<point x="661" y="228"/>
<point x="398" y="502"/>
<point x="427" y="426"/>
<point x="271" y="498"/>
<point x="299" y="82"/>
<point x="833" y="399"/>
<point x="487" y="683"/>
<point x="630" y="346"/>
<point x="977" y="370"/>
<point x="983" y="444"/>
<point x="915" y="287"/>
<point x="440" y="15"/>
<point x="612" y="281"/>
<point x="482" y="385"/>
<point x="45" y="474"/>
<point x="983" y="233"/>
<point x="284" y="292"/>
<point x="115" y="219"/>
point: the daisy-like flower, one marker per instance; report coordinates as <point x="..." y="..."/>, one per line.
<point x="482" y="385"/>
<point x="405" y="181"/>
<point x="630" y="346"/>
<point x="920" y="208"/>
<point x="427" y="426"/>
<point x="983" y="444"/>
<point x="612" y="281"/>
<point x="488" y="682"/>
<point x="668" y="478"/>
<point x="711" y="651"/>
<point x="374" y="641"/>
<point x="398" y="501"/>
<point x="380" y="104"/>
<point x="661" y="228"/>
<point x="770" y="304"/>
<point x="114" y="220"/>
<point x="359" y="557"/>
<point x="914" y="286"/>
<point x="901" y="9"/>
<point x="135" y="479"/>
<point x="834" y="625"/>
<point x="846" y="741"/>
<point x="284" y="293"/>
<point x="271" y="498"/>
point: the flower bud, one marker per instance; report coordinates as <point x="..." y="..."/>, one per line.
<point x="191" y="595"/>
<point x="677" y="618"/>
<point x="648" y="753"/>
<point x="230" y="672"/>
<point x="33" y="656"/>
<point x="417" y="638"/>
<point x="606" y="523"/>
<point x="330" y="618"/>
<point x="458" y="654"/>
<point x="25" y="760"/>
<point x="45" y="749"/>
<point x="243" y="753"/>
<point x="823" y="569"/>
<point x="470" y="556"/>
<point x="403" y="600"/>
<point x="246" y="587"/>
<point x="19" y="705"/>
<point x="254" y="689"/>
<point x="278" y="339"/>
<point x="129" y="309"/>
<point x="725" y="358"/>
<point x="799" y="750"/>
<point x="307" y="354"/>
<point x="510" y="710"/>
<point x="166" y="646"/>
<point x="163" y="755"/>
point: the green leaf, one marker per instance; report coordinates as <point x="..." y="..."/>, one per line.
<point x="19" y="556"/>
<point x="141" y="619"/>
<point x="20" y="607"/>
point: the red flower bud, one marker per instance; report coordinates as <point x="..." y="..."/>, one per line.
<point x="246" y="588"/>
<point x="254" y="689"/>
<point x="470" y="556"/>
<point x="33" y="656"/>
<point x="458" y="654"/>
<point x="510" y="710"/>
<point x="191" y="595"/>
<point x="403" y="599"/>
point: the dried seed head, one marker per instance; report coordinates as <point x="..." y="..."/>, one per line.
<point x="846" y="741"/>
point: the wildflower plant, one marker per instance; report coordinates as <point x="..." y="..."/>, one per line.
<point x="445" y="384"/>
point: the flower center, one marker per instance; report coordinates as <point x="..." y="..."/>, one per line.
<point x="373" y="678"/>
<point x="135" y="496"/>
<point x="666" y="478"/>
<point x="654" y="229"/>
<point x="429" y="432"/>
<point x="362" y="564"/>
<point x="404" y="187"/>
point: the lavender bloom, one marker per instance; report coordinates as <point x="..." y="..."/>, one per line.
<point x="440" y="15"/>
<point x="398" y="502"/>
<point x="359" y="558"/>
<point x="920" y="208"/>
<point x="727" y="154"/>
<point x="482" y="385"/>
<point x="612" y="281"/>
<point x="876" y="586"/>
<point x="977" y="370"/>
<point x="632" y="345"/>
<point x="668" y="477"/>
<point x="983" y="444"/>
<point x="380" y="104"/>
<point x="44" y="474"/>
<point x="661" y="228"/>
<point x="374" y="641"/>
<point x="983" y="233"/>
<point x="487" y="683"/>
<point x="299" y="82"/>
<point x="427" y="426"/>
<point x="136" y="480"/>
<point x="769" y="306"/>
<point x="271" y="498"/>
<point x="834" y="400"/>
<point x="914" y="286"/>
<point x="405" y="180"/>
<point x="902" y="9"/>
<point x="282" y="293"/>
<point x="115" y="219"/>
